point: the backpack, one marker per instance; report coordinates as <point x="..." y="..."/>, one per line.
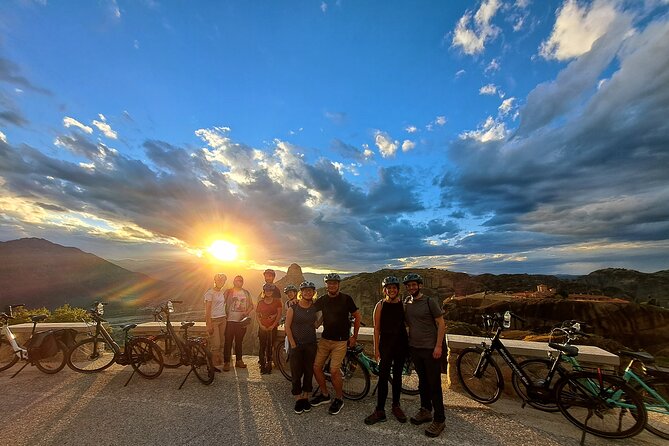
<point x="42" y="345"/>
<point x="67" y="336"/>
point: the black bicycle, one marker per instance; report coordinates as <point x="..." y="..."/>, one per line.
<point x="597" y="403"/>
<point x="99" y="351"/>
<point x="191" y="351"/>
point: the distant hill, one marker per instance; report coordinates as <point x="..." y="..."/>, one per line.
<point x="38" y="273"/>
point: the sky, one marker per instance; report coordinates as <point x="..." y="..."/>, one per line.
<point x="499" y="136"/>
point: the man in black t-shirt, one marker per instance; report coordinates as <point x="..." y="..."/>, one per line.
<point x="337" y="309"/>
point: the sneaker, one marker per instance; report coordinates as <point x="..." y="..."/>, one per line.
<point x="240" y="364"/>
<point x="306" y="405"/>
<point x="399" y="414"/>
<point x="226" y="366"/>
<point x="376" y="417"/>
<point x="299" y="406"/>
<point x="336" y="406"/>
<point x="319" y="399"/>
<point x="435" y="428"/>
<point x="422" y="416"/>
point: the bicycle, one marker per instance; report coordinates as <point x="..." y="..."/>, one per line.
<point x="607" y="397"/>
<point x="42" y="349"/>
<point x="191" y="351"/>
<point x="99" y="351"/>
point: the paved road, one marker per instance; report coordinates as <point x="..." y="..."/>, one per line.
<point x="246" y="408"/>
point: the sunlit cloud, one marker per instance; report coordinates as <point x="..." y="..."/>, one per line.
<point x="491" y="130"/>
<point x="474" y="30"/>
<point x="3" y="137"/>
<point x="506" y="106"/>
<point x="408" y="145"/>
<point x="71" y="122"/>
<point x="411" y="129"/>
<point x="386" y="145"/>
<point x="104" y="127"/>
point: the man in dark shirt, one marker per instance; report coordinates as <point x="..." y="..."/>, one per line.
<point x="337" y="308"/>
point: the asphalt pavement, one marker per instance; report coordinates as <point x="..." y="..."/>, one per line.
<point x="242" y="407"/>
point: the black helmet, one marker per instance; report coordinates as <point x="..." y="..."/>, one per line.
<point x="412" y="277"/>
<point x="332" y="277"/>
<point x="268" y="287"/>
<point x="290" y="288"/>
<point x="390" y="280"/>
<point x="307" y="284"/>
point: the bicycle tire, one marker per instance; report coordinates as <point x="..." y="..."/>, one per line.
<point x="281" y="360"/>
<point x="409" y="379"/>
<point x="170" y="350"/>
<point x="145" y="357"/>
<point x="657" y="411"/>
<point x="55" y="363"/>
<point x="587" y="400"/>
<point x="202" y="362"/>
<point x="91" y="355"/>
<point x="488" y="388"/>
<point x="537" y="370"/>
<point x="355" y="378"/>
<point x="7" y="356"/>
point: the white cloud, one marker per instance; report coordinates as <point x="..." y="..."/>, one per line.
<point x="324" y="7"/>
<point x="136" y="44"/>
<point x="490" y="89"/>
<point x="577" y="28"/>
<point x="408" y="145"/>
<point x="440" y="120"/>
<point x="473" y="40"/>
<point x="490" y="131"/>
<point x="506" y="106"/>
<point x="411" y="129"/>
<point x="71" y="122"/>
<point x="459" y="73"/>
<point x="104" y="127"/>
<point x="387" y="147"/>
<point x="492" y="66"/>
<point x="3" y="137"/>
<point x="368" y="153"/>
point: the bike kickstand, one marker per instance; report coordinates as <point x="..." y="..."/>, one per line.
<point x="19" y="371"/>
<point x="131" y="375"/>
<point x="185" y="378"/>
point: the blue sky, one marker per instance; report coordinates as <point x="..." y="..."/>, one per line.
<point x="491" y="136"/>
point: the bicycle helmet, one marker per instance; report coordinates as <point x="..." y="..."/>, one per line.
<point x="268" y="287"/>
<point x="290" y="288"/>
<point x="332" y="277"/>
<point x="220" y="277"/>
<point x="307" y="284"/>
<point x="390" y="280"/>
<point x="412" y="278"/>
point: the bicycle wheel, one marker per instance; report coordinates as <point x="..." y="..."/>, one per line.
<point x="658" y="410"/>
<point x="145" y="357"/>
<point x="169" y="349"/>
<point x="53" y="364"/>
<point x="603" y="405"/>
<point x="537" y="370"/>
<point x="7" y="356"/>
<point x="355" y="378"/>
<point x="486" y="389"/>
<point x="202" y="363"/>
<point x="409" y="379"/>
<point x="281" y="360"/>
<point x="91" y="355"/>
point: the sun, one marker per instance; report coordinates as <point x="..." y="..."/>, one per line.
<point x="223" y="250"/>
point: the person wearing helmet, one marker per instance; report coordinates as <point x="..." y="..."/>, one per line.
<point x="424" y="317"/>
<point x="239" y="306"/>
<point x="268" y="313"/>
<point x="291" y="292"/>
<point x="301" y="334"/>
<point x="337" y="309"/>
<point x="391" y="347"/>
<point x="215" y="317"/>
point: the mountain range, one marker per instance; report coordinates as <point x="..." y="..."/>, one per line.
<point x="38" y="272"/>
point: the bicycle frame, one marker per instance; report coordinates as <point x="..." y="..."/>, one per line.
<point x="19" y="351"/>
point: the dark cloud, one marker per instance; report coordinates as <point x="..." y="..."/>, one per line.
<point x="9" y="72"/>
<point x="346" y="150"/>
<point x="13" y="118"/>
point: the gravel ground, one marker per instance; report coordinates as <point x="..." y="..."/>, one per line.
<point x="246" y="408"/>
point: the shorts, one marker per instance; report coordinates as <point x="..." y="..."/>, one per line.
<point x="336" y="350"/>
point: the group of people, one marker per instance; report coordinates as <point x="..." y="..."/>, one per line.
<point x="393" y="344"/>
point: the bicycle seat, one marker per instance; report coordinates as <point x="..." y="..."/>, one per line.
<point x="128" y="327"/>
<point x="568" y="350"/>
<point x="644" y="357"/>
<point x="38" y="318"/>
<point x="187" y="324"/>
